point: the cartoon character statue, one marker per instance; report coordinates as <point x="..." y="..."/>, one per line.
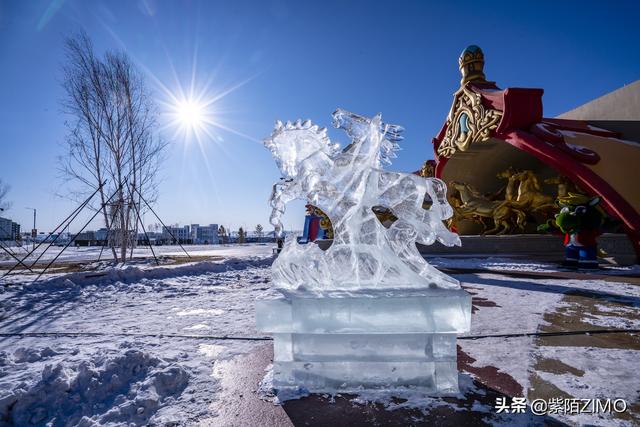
<point x="580" y="220"/>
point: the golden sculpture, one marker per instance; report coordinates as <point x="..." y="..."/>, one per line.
<point x="504" y="215"/>
<point x="468" y="122"/>
<point x="530" y="198"/>
<point x="510" y="190"/>
<point x="512" y="206"/>
<point x="428" y="169"/>
<point x="462" y="214"/>
<point x="471" y="64"/>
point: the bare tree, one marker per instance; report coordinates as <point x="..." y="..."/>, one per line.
<point x="4" y="190"/>
<point x="110" y="138"/>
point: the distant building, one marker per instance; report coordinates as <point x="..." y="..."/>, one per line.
<point x="101" y="234"/>
<point x="195" y="228"/>
<point x="197" y="234"/>
<point x="15" y="230"/>
<point x="204" y="234"/>
<point x="154" y="237"/>
<point x="86" y="238"/>
<point x="177" y="234"/>
<point x="60" y="239"/>
<point x="9" y="230"/>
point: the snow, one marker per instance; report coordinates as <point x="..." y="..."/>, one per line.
<point x="491" y="263"/>
<point x="599" y="377"/>
<point x="92" y="253"/>
<point x="127" y="387"/>
<point x="518" y="306"/>
<point x="520" y="265"/>
<point x="144" y="377"/>
<point x="617" y="317"/>
<point x="210" y="350"/>
<point x="151" y="361"/>
<point x="199" y="312"/>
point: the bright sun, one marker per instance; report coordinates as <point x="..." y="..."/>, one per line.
<point x="195" y="114"/>
<point x="190" y="114"/>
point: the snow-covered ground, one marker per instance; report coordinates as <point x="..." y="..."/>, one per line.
<point x="93" y="253"/>
<point x="520" y="265"/>
<point x="142" y="344"/>
<point x="143" y="375"/>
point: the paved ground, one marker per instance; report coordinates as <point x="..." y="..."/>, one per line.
<point x="239" y="404"/>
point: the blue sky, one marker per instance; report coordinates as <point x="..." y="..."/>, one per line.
<point x="290" y="60"/>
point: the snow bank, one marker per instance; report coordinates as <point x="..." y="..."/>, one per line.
<point x="133" y="274"/>
<point x="125" y="388"/>
<point x="92" y="253"/>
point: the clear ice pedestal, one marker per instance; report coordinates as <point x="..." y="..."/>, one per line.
<point x="347" y="342"/>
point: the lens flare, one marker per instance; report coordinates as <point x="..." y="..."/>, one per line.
<point x="190" y="114"/>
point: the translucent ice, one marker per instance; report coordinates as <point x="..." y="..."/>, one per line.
<point x="349" y="376"/>
<point x="365" y="347"/>
<point x="369" y="312"/>
<point x="432" y="311"/>
<point x="346" y="184"/>
<point x="342" y="342"/>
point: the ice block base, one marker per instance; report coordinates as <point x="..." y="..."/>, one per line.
<point x="369" y="340"/>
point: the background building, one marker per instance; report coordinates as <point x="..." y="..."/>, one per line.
<point x="204" y="234"/>
<point x="173" y="234"/>
<point x="86" y="238"/>
<point x="9" y="230"/>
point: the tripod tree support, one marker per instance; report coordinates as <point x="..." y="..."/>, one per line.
<point x="67" y="221"/>
<point x="14" y="257"/>
<point x="78" y="233"/>
<point x="78" y="210"/>
<point x="108" y="232"/>
<point x="161" y="222"/>
<point x="137" y="209"/>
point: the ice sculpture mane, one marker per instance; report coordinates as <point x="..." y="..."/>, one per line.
<point x="346" y="185"/>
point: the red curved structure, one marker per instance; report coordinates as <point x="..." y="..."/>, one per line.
<point x="523" y="126"/>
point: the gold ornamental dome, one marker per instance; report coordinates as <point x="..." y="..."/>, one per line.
<point x="471" y="63"/>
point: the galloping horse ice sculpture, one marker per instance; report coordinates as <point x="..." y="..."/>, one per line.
<point x="347" y="184"/>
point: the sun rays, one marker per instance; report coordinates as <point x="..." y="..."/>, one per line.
<point x="197" y="114"/>
<point x="190" y="114"/>
<point x="188" y="117"/>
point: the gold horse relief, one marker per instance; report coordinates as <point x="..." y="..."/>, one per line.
<point x="520" y="200"/>
<point x="530" y="197"/>
<point x="510" y="207"/>
<point x="476" y="206"/>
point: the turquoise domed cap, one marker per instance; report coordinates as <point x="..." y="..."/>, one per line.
<point x="471" y="63"/>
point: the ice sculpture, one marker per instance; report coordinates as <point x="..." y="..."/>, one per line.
<point x="347" y="185"/>
<point x="369" y="311"/>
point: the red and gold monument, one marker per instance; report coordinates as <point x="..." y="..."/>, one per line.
<point x="505" y="163"/>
